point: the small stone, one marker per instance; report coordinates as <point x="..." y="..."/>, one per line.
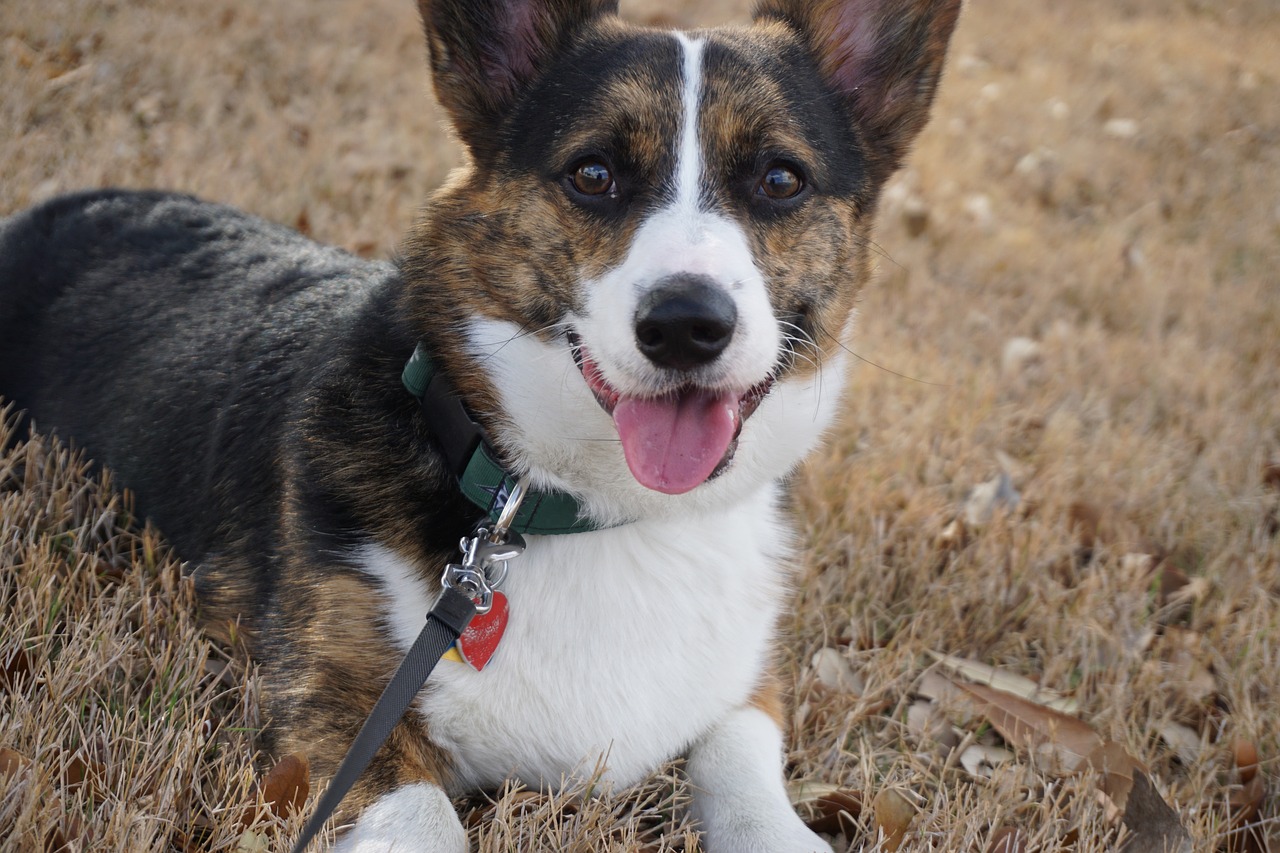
<point x="985" y="498"/>
<point x="1121" y="128"/>
<point x="1020" y="354"/>
<point x="978" y="206"/>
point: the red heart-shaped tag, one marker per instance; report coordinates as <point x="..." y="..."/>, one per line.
<point x="478" y="643"/>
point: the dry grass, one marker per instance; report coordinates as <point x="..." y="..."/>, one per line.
<point x="1101" y="179"/>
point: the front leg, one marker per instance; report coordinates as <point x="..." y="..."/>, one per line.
<point x="329" y="662"/>
<point x="739" y="794"/>
<point x="416" y="818"/>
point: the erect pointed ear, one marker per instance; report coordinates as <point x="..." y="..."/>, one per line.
<point x="484" y="53"/>
<point x="883" y="57"/>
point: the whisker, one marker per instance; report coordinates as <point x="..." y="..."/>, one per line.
<point x="876" y="365"/>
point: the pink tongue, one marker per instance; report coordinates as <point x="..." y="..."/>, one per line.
<point x="672" y="444"/>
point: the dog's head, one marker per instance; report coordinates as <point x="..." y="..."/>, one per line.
<point x="643" y="279"/>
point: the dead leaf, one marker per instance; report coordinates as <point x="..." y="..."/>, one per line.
<point x="1271" y="475"/>
<point x="1183" y="740"/>
<point x="14" y="669"/>
<point x="1245" y="755"/>
<point x="1154" y="826"/>
<point x="836" y="673"/>
<point x="92" y="774"/>
<point x="1065" y="741"/>
<point x="284" y="790"/>
<point x="981" y="505"/>
<point x="252" y="842"/>
<point x="12" y="763"/>
<point x="808" y="792"/>
<point x="1181" y="665"/>
<point x="893" y="816"/>
<point x="1084" y="520"/>
<point x="1246" y="801"/>
<point x="1248" y="833"/>
<point x="837" y="813"/>
<point x="1115" y="768"/>
<point x="1009" y="682"/>
<point x="981" y="760"/>
<point x="926" y="723"/>
<point x="1007" y="839"/>
<point x="287" y="785"/>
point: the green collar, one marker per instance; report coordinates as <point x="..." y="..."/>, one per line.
<point x="481" y="477"/>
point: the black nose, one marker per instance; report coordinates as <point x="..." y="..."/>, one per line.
<point x="685" y="321"/>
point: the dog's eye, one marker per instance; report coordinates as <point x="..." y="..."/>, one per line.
<point x="780" y="182"/>
<point x="592" y="178"/>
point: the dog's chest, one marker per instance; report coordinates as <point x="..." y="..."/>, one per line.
<point x="623" y="646"/>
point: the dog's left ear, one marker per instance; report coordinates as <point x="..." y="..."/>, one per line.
<point x="882" y="57"/>
<point x="484" y="53"/>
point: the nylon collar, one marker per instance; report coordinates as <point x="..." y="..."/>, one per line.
<point x="473" y="461"/>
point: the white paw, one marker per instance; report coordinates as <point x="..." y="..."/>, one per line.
<point x="417" y="818"/>
<point x="783" y="832"/>
<point x="739" y="796"/>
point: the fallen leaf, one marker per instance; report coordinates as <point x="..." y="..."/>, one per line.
<point x="837" y="813"/>
<point x="14" y="669"/>
<point x="1271" y="474"/>
<point x="1183" y="740"/>
<point x="284" y="789"/>
<point x="836" y="673"/>
<point x="1246" y="801"/>
<point x="1181" y="665"/>
<point x="1084" y="519"/>
<point x="926" y="723"/>
<point x="981" y="760"/>
<point x="1009" y="682"/>
<point x="1062" y="739"/>
<point x="252" y="842"/>
<point x="893" y="816"/>
<point x="287" y="785"/>
<point x="1115" y="768"/>
<point x="1007" y="839"/>
<point x="981" y="505"/>
<point x="1154" y="827"/>
<point x="12" y="762"/>
<point x="807" y="792"/>
<point x="1245" y="756"/>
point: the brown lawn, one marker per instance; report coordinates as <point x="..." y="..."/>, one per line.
<point x="1078" y="292"/>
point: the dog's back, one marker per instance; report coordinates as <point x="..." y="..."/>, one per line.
<point x="167" y="334"/>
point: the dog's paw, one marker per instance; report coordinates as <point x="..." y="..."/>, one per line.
<point x="417" y="818"/>
<point x="755" y="834"/>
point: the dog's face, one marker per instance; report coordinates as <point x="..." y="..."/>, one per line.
<point x="648" y="270"/>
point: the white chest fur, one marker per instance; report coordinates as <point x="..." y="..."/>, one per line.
<point x="623" y="646"/>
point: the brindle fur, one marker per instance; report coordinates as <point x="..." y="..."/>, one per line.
<point x="245" y="384"/>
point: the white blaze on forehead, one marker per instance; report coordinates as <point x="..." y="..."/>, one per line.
<point x="688" y="172"/>
<point x="682" y="237"/>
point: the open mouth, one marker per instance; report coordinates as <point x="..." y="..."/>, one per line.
<point x="679" y="440"/>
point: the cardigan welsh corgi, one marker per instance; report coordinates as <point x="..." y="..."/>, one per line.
<point x="634" y="298"/>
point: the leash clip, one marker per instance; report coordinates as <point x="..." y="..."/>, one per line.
<point x="485" y="554"/>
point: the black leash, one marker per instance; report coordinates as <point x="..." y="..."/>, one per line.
<point x="446" y="621"/>
<point x="468" y="586"/>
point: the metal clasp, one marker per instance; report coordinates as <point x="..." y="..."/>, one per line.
<point x="485" y="554"/>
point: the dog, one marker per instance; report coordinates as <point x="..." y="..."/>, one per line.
<point x="636" y="296"/>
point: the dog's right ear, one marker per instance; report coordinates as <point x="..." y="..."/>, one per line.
<point x="484" y="53"/>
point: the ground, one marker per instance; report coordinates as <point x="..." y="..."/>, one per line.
<point x="1060" y="454"/>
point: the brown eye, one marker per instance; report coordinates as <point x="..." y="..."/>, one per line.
<point x="780" y="182"/>
<point x="592" y="178"/>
